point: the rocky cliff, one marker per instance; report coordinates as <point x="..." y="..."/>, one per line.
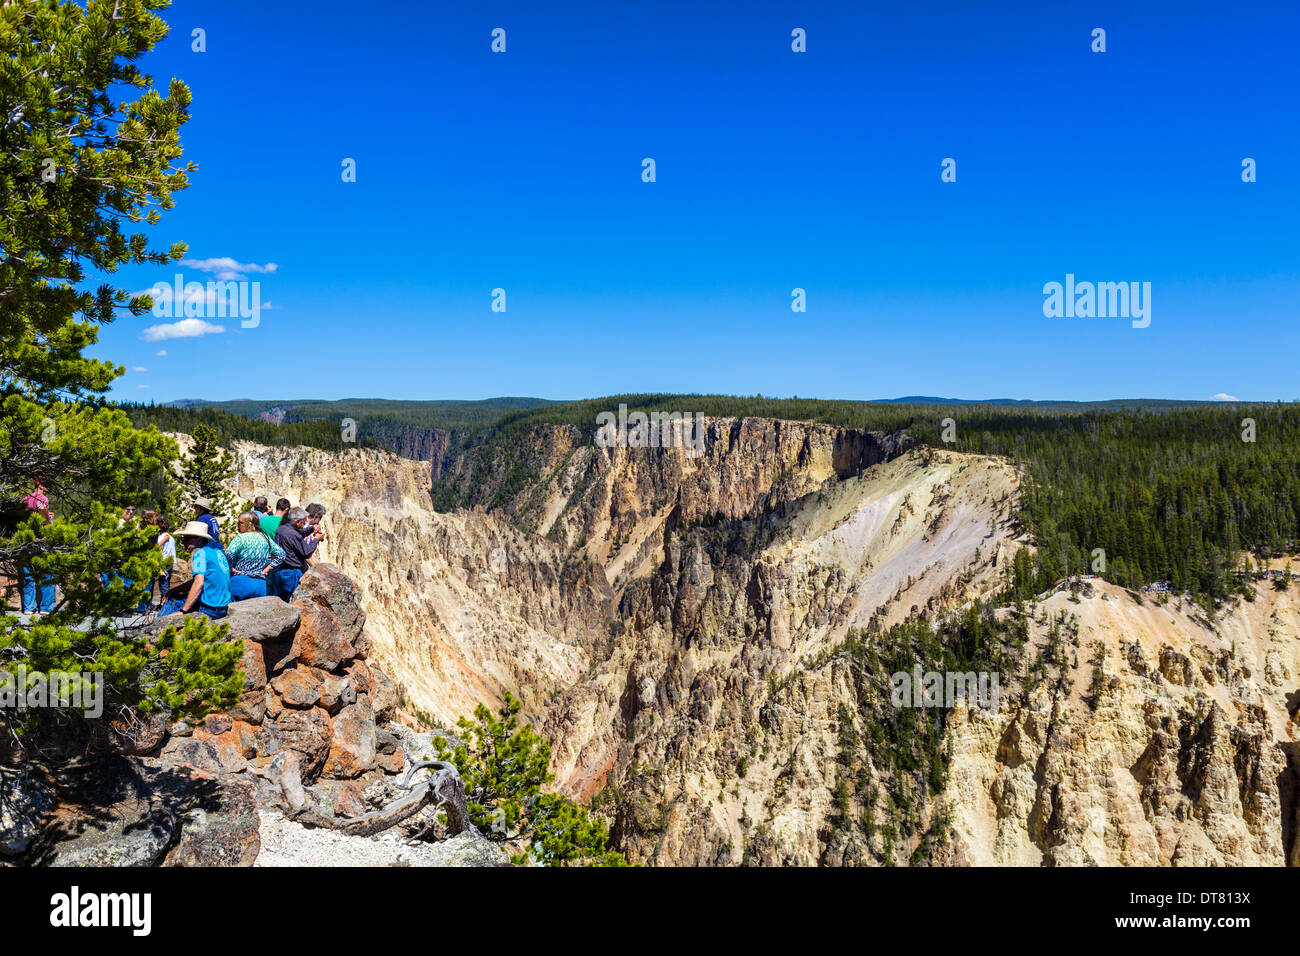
<point x="1157" y="736"/>
<point x="309" y="743"/>
<point x="675" y="625"/>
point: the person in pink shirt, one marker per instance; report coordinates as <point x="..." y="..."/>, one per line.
<point x="38" y="501"/>
<point x="37" y="599"/>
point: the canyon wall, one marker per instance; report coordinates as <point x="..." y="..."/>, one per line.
<point x="675" y="626"/>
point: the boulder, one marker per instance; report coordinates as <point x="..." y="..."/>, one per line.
<point x="218" y="825"/>
<point x="25" y="800"/>
<point x="251" y="707"/>
<point x="386" y="742"/>
<point x="392" y="762"/>
<point x="383" y="695"/>
<point x="216" y="724"/>
<point x="253" y="664"/>
<point x="252" y="699"/>
<point x="361" y="674"/>
<point x="469" y="848"/>
<point x="262" y="619"/>
<point x="352" y="747"/>
<point x="135" y="734"/>
<point x="297" y="687"/>
<point x="111" y="817"/>
<point x="337" y="692"/>
<point x="193" y="753"/>
<point x="268" y="738"/>
<point x="330" y="631"/>
<point x="308" y="732"/>
<point x="285" y="771"/>
<point x="344" y="800"/>
<point x="234" y="746"/>
<point x="389" y="755"/>
<point x="126" y="835"/>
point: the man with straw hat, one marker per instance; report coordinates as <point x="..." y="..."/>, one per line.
<point x="209" y="591"/>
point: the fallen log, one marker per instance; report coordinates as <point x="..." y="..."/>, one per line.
<point x="443" y="788"/>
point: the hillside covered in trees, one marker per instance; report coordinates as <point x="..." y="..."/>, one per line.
<point x="400" y="427"/>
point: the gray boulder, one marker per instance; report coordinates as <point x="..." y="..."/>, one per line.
<point x="110" y="820"/>
<point x="262" y="619"/>
<point x="469" y="848"/>
<point x="25" y="800"/>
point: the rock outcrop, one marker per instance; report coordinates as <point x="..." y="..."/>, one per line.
<point x="302" y="742"/>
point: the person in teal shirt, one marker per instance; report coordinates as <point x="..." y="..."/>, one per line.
<point x="210" y="588"/>
<point x="252" y="555"/>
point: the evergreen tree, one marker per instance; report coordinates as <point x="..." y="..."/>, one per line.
<point x="207" y="471"/>
<point x="79" y="161"/>
<point x="504" y="767"/>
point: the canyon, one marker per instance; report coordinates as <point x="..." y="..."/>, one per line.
<point x="680" y="626"/>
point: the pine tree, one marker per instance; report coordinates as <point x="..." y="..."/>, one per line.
<point x="80" y="161"/>
<point x="208" y="471"/>
<point x="504" y="765"/>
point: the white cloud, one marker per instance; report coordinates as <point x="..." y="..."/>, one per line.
<point x="139" y="368"/>
<point x="1224" y="397"/>
<point x="196" y="292"/>
<point x="184" y="329"/>
<point x="226" y="268"/>
<point x="161" y="352"/>
<point x="142" y="386"/>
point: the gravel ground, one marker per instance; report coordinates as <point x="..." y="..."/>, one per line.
<point x="285" y="843"/>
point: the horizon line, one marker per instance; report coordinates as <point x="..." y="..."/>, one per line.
<point x="903" y="399"/>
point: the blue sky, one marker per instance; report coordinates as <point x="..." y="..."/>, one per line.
<point x="775" y="170"/>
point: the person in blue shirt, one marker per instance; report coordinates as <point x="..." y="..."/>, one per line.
<point x="209" y="591"/>
<point x="203" y="513"/>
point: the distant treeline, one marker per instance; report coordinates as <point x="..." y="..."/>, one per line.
<point x="231" y="427"/>
<point x="405" y="428"/>
<point x="429" y="414"/>
<point x="1167" y="492"/>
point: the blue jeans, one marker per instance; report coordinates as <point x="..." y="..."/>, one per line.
<point x="165" y="582"/>
<point x="285" y="583"/>
<point x="31" y="600"/>
<point x="174" y="605"/>
<point x="245" y="586"/>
